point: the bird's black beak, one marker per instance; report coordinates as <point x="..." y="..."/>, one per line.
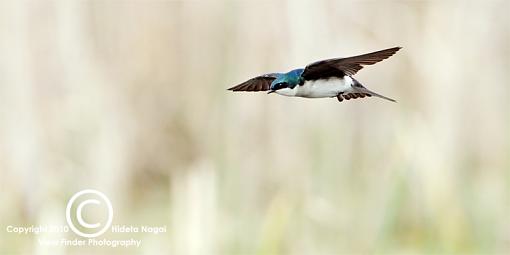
<point x="271" y="91"/>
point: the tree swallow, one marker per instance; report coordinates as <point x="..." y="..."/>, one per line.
<point x="325" y="78"/>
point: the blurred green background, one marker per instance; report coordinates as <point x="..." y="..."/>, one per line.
<point x="129" y="98"/>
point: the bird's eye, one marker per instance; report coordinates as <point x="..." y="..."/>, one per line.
<point x="279" y="85"/>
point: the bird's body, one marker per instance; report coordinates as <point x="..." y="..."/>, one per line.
<point x="328" y="87"/>
<point x="326" y="78"/>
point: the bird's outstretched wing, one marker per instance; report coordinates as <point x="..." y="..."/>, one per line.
<point x="339" y="67"/>
<point x="259" y="83"/>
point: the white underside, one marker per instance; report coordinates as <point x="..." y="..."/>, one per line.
<point x="319" y="88"/>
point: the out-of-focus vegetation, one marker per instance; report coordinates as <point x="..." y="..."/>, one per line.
<point x="129" y="97"/>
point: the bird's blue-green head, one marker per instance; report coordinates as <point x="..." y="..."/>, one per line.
<point x="287" y="80"/>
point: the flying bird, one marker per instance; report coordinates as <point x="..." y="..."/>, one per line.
<point x="325" y="78"/>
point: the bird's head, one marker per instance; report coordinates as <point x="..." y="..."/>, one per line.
<point x="287" y="80"/>
<point x="279" y="83"/>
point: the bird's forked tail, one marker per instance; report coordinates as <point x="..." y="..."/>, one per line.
<point x="361" y="89"/>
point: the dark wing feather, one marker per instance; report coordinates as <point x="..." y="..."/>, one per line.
<point x="339" y="67"/>
<point x="259" y="83"/>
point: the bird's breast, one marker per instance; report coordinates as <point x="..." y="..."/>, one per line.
<point x="319" y="88"/>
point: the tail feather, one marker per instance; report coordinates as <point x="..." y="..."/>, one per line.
<point x="367" y="91"/>
<point x="361" y="89"/>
